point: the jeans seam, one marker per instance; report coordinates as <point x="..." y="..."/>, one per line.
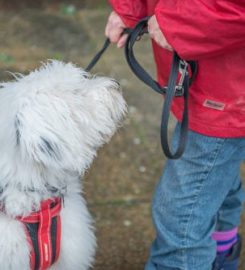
<point x="219" y="143"/>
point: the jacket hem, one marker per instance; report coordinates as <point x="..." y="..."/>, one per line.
<point x="205" y="128"/>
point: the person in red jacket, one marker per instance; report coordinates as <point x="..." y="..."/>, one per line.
<point x="199" y="199"/>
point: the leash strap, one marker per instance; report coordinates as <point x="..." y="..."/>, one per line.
<point x="137" y="69"/>
<point x="106" y="45"/>
<point x="175" y="88"/>
<point x="170" y="94"/>
<point x="98" y="55"/>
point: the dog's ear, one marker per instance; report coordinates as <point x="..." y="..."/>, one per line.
<point x="63" y="116"/>
<point x="47" y="134"/>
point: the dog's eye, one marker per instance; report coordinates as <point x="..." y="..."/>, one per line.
<point x="50" y="148"/>
<point x="116" y="83"/>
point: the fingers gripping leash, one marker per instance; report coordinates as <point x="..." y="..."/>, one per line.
<point x="99" y="54"/>
<point x="177" y="87"/>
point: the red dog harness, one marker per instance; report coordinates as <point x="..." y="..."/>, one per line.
<point x="43" y="230"/>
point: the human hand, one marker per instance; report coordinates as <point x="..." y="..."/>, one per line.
<point x="157" y="35"/>
<point x="114" y="30"/>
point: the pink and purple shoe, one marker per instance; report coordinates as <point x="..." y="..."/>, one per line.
<point x="229" y="260"/>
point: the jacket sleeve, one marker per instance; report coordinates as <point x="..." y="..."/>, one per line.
<point x="199" y="29"/>
<point x="131" y="11"/>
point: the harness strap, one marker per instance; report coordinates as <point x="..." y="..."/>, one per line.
<point x="43" y="230"/>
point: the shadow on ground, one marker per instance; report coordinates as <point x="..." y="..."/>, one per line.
<point x="121" y="182"/>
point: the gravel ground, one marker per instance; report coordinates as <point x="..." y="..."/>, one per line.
<point x="120" y="184"/>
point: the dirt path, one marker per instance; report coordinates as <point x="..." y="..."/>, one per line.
<point x="121" y="182"/>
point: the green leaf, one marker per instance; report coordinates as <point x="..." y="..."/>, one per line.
<point x="69" y="10"/>
<point x="58" y="56"/>
<point x="6" y="58"/>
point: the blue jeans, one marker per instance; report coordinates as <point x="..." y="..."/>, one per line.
<point x="197" y="194"/>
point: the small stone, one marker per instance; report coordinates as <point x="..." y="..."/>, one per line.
<point x="132" y="109"/>
<point x="136" y="190"/>
<point x="137" y="141"/>
<point x="127" y="122"/>
<point x="142" y="169"/>
<point x="123" y="155"/>
<point x="124" y="82"/>
<point x="127" y="223"/>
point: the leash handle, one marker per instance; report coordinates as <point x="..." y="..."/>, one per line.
<point x="137" y="69"/>
<point x="174" y="88"/>
<point x="134" y="35"/>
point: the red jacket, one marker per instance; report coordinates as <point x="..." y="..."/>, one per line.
<point x="213" y="33"/>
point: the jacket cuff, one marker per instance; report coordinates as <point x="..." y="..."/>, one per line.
<point x="131" y="12"/>
<point x="129" y="22"/>
<point x="170" y="37"/>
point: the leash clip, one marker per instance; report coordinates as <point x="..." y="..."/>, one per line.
<point x="183" y="70"/>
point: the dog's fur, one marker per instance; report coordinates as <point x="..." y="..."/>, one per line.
<point x="52" y="121"/>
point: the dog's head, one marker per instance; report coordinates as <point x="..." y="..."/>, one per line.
<point x="58" y="116"/>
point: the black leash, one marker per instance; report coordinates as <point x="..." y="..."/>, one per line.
<point x="98" y="55"/>
<point x="175" y="88"/>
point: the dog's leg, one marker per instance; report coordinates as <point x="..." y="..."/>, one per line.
<point x="14" y="247"/>
<point x="78" y="242"/>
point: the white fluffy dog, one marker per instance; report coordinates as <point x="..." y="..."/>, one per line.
<point x="52" y="121"/>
